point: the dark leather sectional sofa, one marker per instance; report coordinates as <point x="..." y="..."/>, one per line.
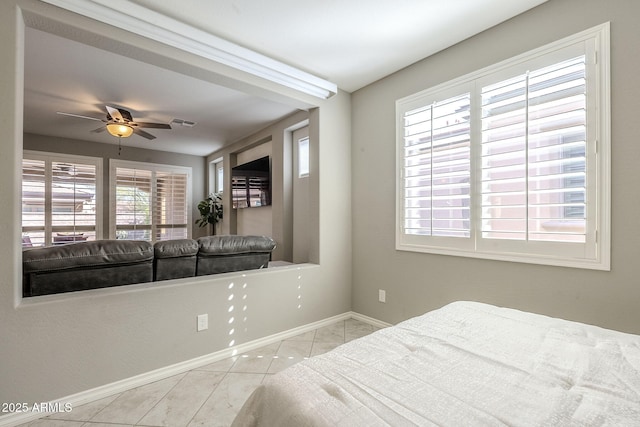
<point x="105" y="263"/>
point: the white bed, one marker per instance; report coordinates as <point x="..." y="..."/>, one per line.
<point x="466" y="364"/>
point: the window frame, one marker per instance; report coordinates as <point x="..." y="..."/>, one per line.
<point x="216" y="176"/>
<point x="114" y="164"/>
<point x="48" y="158"/>
<point x="303" y="157"/>
<point x="595" y="254"/>
<point x="219" y="177"/>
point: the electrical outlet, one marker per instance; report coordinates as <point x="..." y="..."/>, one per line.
<point x="203" y="322"/>
<point x="382" y="295"/>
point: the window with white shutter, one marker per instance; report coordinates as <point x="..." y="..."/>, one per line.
<point x="170" y="206"/>
<point x="437" y="168"/>
<point x="60" y="198"/>
<point x="149" y="202"/>
<point x="512" y="162"/>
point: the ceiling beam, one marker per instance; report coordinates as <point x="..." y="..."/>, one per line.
<point x="148" y="23"/>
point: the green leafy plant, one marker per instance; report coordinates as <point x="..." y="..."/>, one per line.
<point x="210" y="210"/>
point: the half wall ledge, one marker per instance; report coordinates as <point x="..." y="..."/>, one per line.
<point x="98" y="264"/>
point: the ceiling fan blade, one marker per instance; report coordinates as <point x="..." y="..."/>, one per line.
<point x="143" y="133"/>
<point x="100" y="129"/>
<point x="79" y="116"/>
<point x="126" y="115"/>
<point x="115" y="114"/>
<point x="151" y="125"/>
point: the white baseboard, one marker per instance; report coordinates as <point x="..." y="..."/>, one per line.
<point x="106" y="390"/>
<point x="370" y="320"/>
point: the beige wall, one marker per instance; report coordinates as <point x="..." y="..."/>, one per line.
<point x="416" y="282"/>
<point x="110" y="151"/>
<point x="52" y="347"/>
<point x="256" y="221"/>
<point x="300" y="191"/>
<point x="275" y="220"/>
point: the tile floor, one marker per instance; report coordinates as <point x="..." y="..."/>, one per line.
<point x="206" y="396"/>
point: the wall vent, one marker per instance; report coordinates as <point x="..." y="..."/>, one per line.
<point x="185" y="123"/>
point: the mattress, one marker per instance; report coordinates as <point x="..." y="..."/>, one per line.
<point x="466" y="364"/>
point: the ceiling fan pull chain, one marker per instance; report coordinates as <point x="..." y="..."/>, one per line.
<point x="119" y="146"/>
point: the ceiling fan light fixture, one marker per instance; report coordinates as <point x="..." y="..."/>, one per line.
<point x="119" y="130"/>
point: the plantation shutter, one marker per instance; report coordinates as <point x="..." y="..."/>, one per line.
<point x="534" y="186"/>
<point x="73" y="201"/>
<point x="59" y="199"/>
<point x="533" y="164"/>
<point x="170" y="206"/>
<point x="151" y="201"/>
<point x="436" y="169"/>
<point x="133" y="204"/>
<point x="33" y="202"/>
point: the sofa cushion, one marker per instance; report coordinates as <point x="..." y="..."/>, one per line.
<point x="228" y="245"/>
<point x="174" y="259"/>
<point x="223" y="254"/>
<point x="175" y="248"/>
<point x="86" y="265"/>
<point x="86" y="254"/>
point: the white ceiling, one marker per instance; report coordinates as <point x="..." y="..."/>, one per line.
<point x="349" y="42"/>
<point x="65" y="76"/>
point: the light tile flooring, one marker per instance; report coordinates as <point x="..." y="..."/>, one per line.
<point x="207" y="396"/>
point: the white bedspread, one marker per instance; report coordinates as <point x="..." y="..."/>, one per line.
<point x="466" y="364"/>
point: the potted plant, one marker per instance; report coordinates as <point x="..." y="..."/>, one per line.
<point x="210" y="211"/>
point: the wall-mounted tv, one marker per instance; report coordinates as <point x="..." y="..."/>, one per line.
<point x="251" y="184"/>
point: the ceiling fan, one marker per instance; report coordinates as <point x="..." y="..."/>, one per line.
<point x="120" y="123"/>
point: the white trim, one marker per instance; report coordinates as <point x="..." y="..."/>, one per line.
<point x="139" y="20"/>
<point x="134" y="164"/>
<point x="106" y="390"/>
<point x="370" y="320"/>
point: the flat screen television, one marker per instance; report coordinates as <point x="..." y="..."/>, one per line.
<point x="251" y="184"/>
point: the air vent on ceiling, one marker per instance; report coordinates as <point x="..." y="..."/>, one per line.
<point x="185" y="123"/>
